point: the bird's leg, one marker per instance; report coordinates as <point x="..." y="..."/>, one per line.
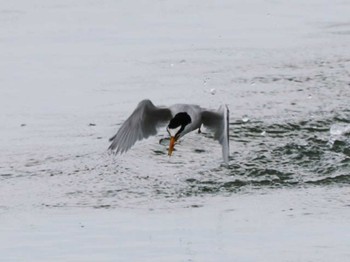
<point x="199" y="129"/>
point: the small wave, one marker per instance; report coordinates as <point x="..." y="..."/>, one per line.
<point x="336" y="180"/>
<point x="263" y="155"/>
<point x="339" y="129"/>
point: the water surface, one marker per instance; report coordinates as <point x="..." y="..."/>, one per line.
<point x="69" y="83"/>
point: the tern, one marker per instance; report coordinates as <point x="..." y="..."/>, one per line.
<point x="180" y="120"/>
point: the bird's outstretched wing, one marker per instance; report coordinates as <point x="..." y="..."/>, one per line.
<point x="142" y="123"/>
<point x="218" y="122"/>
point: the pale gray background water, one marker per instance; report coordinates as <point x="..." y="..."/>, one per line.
<point x="72" y="72"/>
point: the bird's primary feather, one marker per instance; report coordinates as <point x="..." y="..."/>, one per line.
<point x="218" y="123"/>
<point x="142" y="123"/>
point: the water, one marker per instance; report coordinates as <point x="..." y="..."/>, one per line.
<point x="265" y="155"/>
<point x="68" y="85"/>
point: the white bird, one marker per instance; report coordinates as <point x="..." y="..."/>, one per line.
<point x="181" y="119"/>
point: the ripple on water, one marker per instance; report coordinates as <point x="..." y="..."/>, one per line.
<point x="288" y="154"/>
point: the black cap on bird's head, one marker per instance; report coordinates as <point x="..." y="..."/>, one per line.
<point x="175" y="127"/>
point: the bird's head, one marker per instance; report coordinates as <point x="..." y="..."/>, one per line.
<point x="176" y="127"/>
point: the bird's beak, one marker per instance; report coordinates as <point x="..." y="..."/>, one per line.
<point x="171" y="145"/>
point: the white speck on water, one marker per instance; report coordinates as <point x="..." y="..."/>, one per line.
<point x="213" y="91"/>
<point x="338" y="132"/>
<point x="245" y="119"/>
<point x="339" y="129"/>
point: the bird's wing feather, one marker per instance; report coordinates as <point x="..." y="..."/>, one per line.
<point x="218" y="122"/>
<point x="142" y="123"/>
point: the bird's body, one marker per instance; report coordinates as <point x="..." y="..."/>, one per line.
<point x="193" y="111"/>
<point x="181" y="119"/>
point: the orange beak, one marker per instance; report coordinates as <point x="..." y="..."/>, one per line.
<point x="171" y="145"/>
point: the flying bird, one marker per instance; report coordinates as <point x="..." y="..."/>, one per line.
<point x="180" y="120"/>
